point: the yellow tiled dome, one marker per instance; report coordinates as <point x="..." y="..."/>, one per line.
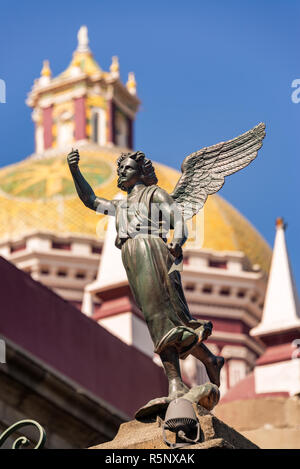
<point x="39" y="195"/>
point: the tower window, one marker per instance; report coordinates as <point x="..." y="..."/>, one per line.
<point x="64" y="246"/>
<point x="98" y="122"/>
<point x="207" y="289"/>
<point x="218" y="264"/>
<point x="80" y="275"/>
<point x="241" y="294"/>
<point x="122" y="131"/>
<point x="64" y="129"/>
<point x="225" y="291"/>
<point x="95" y="123"/>
<point x="62" y="273"/>
<point x="96" y="249"/>
<point x="17" y="247"/>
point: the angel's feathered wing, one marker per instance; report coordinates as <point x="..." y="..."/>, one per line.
<point x="204" y="171"/>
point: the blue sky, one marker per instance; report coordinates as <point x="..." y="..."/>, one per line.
<point x="206" y="72"/>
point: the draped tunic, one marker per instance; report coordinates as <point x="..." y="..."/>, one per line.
<point x="147" y="261"/>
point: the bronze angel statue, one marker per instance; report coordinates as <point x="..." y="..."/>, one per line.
<point x="149" y="259"/>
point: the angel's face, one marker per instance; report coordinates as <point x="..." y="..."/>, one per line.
<point x="129" y="174"/>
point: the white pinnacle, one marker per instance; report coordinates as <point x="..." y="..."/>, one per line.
<point x="83" y="40"/>
<point x="111" y="271"/>
<point x="281" y="309"/>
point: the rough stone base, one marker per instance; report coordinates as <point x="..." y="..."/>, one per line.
<point x="214" y="434"/>
<point x="270" y="422"/>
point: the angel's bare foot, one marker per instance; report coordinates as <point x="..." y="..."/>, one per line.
<point x="213" y="369"/>
<point x="212" y="363"/>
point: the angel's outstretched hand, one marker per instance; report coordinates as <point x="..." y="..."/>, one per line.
<point x="175" y="249"/>
<point x="73" y="159"/>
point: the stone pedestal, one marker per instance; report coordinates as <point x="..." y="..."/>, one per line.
<point x="142" y="435"/>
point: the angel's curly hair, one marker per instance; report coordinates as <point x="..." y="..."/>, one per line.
<point x="148" y="175"/>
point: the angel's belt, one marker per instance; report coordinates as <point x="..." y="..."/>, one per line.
<point x="144" y="235"/>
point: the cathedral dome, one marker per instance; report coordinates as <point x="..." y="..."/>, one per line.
<point x="38" y="195"/>
<point x="87" y="108"/>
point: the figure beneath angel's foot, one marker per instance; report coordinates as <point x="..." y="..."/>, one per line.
<point x="206" y="394"/>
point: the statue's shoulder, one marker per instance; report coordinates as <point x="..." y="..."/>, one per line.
<point x="154" y="191"/>
<point x="160" y="194"/>
<point x="153" y="188"/>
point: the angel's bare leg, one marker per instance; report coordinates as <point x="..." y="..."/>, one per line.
<point x="170" y="361"/>
<point x="212" y="363"/>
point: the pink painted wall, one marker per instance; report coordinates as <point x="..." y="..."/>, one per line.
<point x="111" y="122"/>
<point x="47" y="124"/>
<point x="80" y="118"/>
<point x="35" y="318"/>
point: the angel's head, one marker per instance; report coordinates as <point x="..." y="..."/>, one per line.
<point x="135" y="167"/>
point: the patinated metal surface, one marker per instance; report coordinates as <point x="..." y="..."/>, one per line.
<point x="143" y="221"/>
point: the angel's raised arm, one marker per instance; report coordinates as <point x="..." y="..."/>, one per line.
<point x="84" y="190"/>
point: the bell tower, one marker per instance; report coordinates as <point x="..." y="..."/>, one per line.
<point x="84" y="104"/>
